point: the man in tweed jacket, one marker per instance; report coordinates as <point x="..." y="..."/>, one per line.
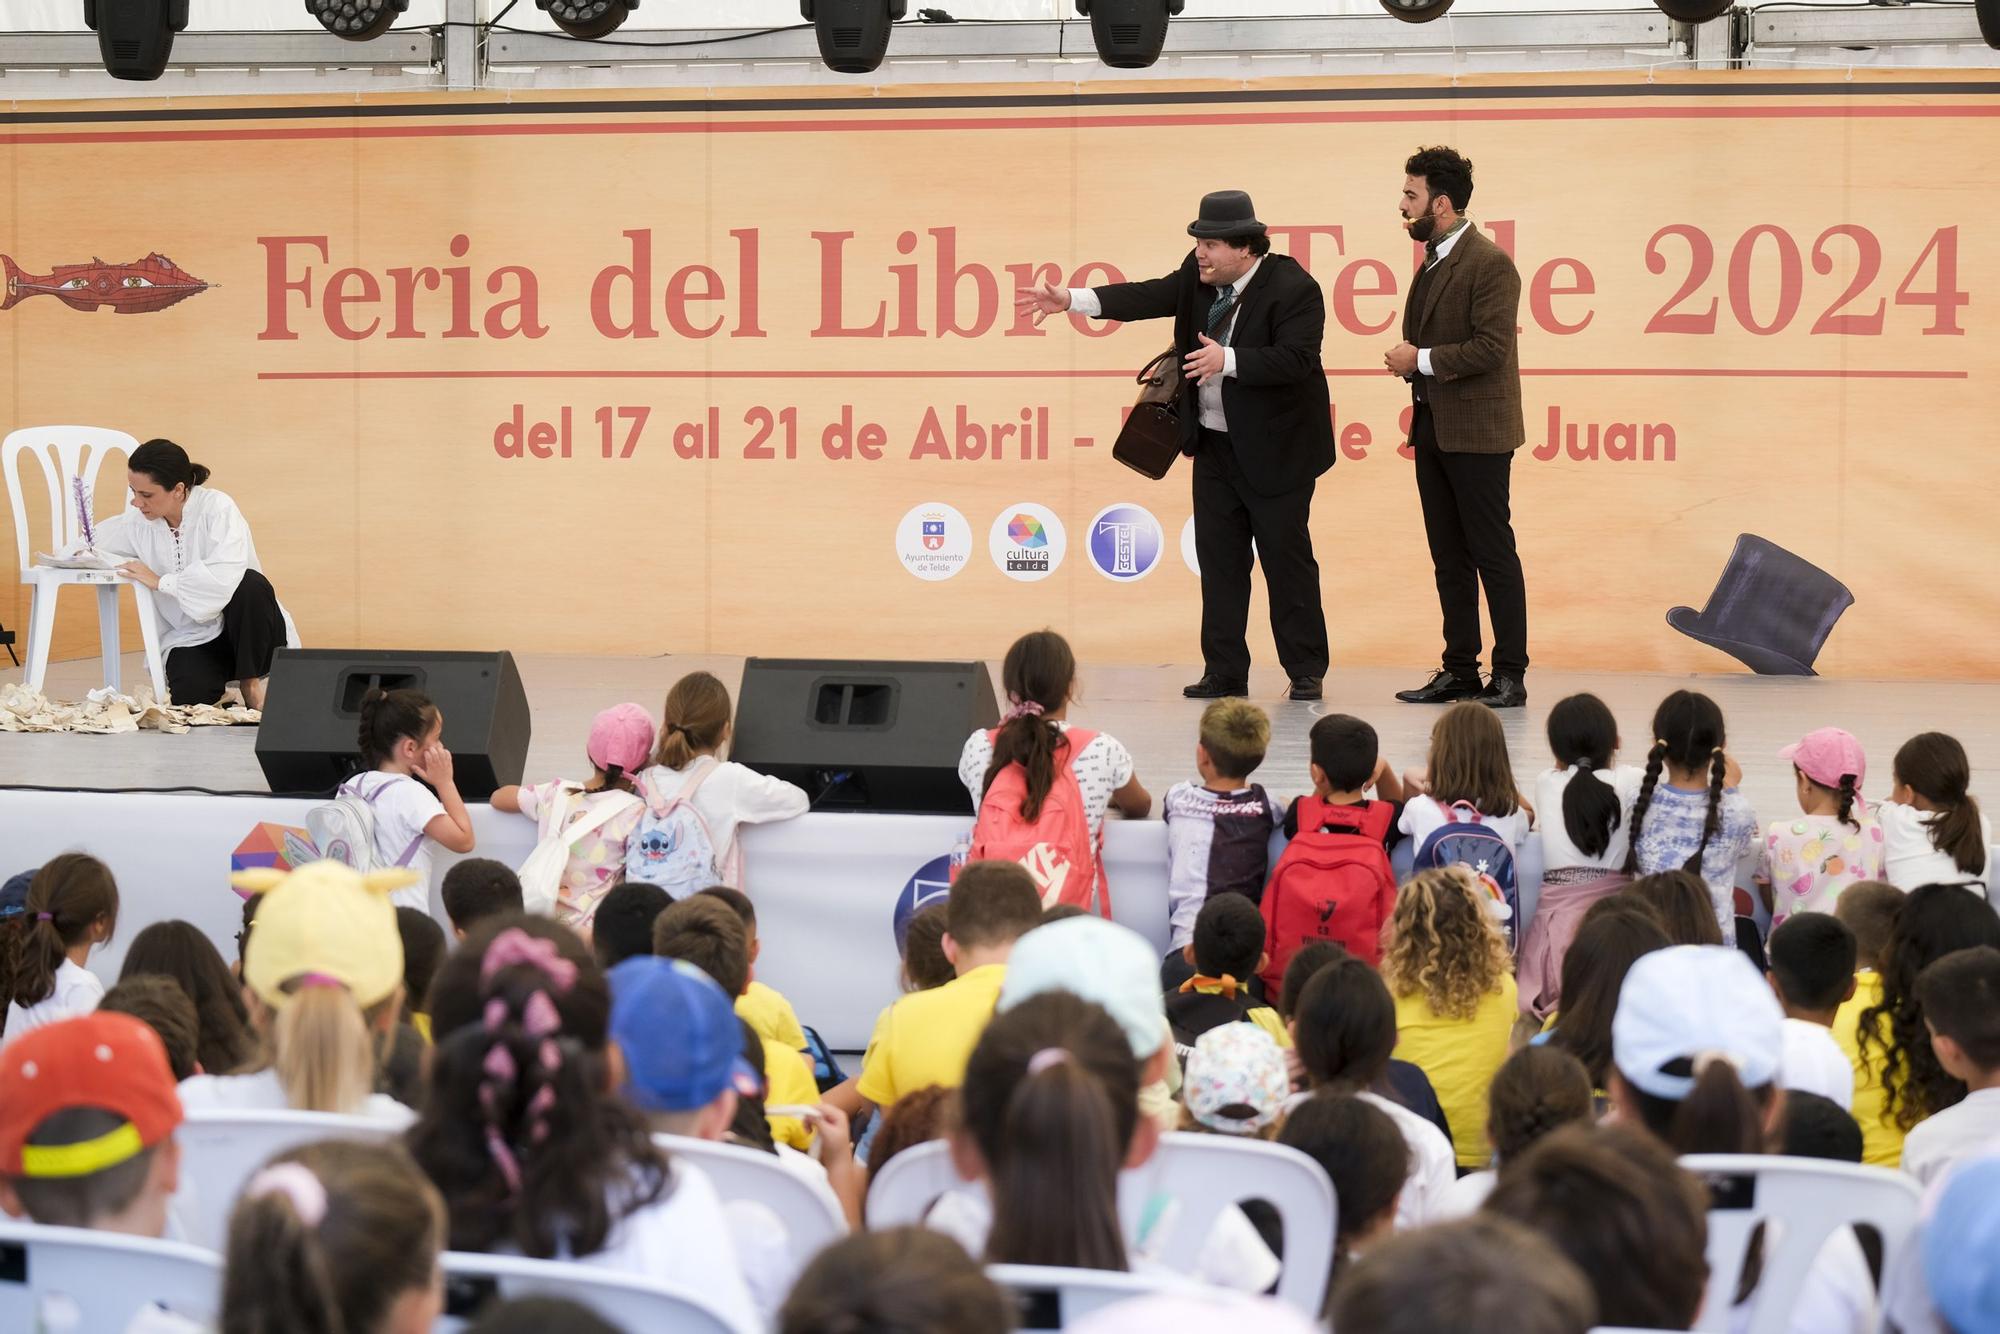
<point x="1459" y="354"/>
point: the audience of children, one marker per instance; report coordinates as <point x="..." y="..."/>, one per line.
<point x="70" y="910"/>
<point x="598" y="817"/>
<point x="1615" y="934"/>
<point x="623" y="927"/>
<point x="1688" y="814"/>
<point x="1869" y="910"/>
<point x="1480" y="1273"/>
<point x="906" y="1280"/>
<point x="1218" y="827"/>
<point x="1448" y="967"/>
<point x="160" y="1004"/>
<point x="423" y="951"/>
<point x="1235" y="1083"/>
<point x="1537" y="1091"/>
<point x="181" y="952"/>
<point x="1933" y="830"/>
<point x="1468" y="768"/>
<point x="479" y="888"/>
<point x="1365" y="1156"/>
<point x="1959" y="998"/>
<point x="1835" y="842"/>
<point x="1812" y="972"/>
<point x="925" y="964"/>
<point x="1049" y="810"/>
<point x="1682" y="904"/>
<point x="1225" y="954"/>
<point x="760" y="1006"/>
<point x="695" y="800"/>
<point x="401" y="741"/>
<point x="1402" y="1082"/>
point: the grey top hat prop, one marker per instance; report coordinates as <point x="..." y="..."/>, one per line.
<point x="1226" y="215"/>
<point x="1771" y="609"/>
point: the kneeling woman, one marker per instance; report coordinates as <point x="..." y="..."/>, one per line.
<point x="219" y="620"/>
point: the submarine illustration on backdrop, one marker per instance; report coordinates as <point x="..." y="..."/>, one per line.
<point x="148" y="284"/>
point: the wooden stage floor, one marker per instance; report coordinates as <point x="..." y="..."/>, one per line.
<point x="1141" y="706"/>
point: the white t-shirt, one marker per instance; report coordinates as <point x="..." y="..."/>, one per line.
<point x="261" y="1092"/>
<point x="1558" y="851"/>
<point x="1838" y="1296"/>
<point x="1968" y="1129"/>
<point x="200" y="564"/>
<point x="1812" y="1062"/>
<point x="1463" y="1198"/>
<point x="1101" y="768"/>
<point x="1910" y="859"/>
<point x="403" y="808"/>
<point x="77" y="992"/>
<point x="732" y="795"/>
<point x="1433" y="1162"/>
<point x="1424" y="815"/>
<point x="684" y="1238"/>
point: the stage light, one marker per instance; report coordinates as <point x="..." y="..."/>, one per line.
<point x="1694" y="11"/>
<point x="356" y="20"/>
<point x="853" y="34"/>
<point x="587" y="18"/>
<point x="135" y="37"/>
<point x="1416" y="11"/>
<point x="1128" y="33"/>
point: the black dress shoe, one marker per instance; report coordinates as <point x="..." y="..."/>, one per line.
<point x="1504" y="692"/>
<point x="1303" y="687"/>
<point x="1214" y="687"/>
<point x="1442" y="688"/>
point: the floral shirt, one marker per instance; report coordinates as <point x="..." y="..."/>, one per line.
<point x="597" y="859"/>
<point x="1809" y="859"/>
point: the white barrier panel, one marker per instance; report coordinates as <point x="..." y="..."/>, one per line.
<point x="827" y="886"/>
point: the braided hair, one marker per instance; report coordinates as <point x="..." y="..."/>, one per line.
<point x="520" y="1133"/>
<point x="1687" y="733"/>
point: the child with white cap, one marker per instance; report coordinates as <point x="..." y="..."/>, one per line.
<point x="1834" y="842"/>
<point x="598" y="817"/>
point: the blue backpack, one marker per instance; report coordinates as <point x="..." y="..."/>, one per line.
<point x="1468" y="841"/>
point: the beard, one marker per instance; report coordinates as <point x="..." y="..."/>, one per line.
<point x="1422" y="229"/>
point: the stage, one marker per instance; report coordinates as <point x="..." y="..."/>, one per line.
<point x="830" y="886"/>
<point x="1141" y="706"/>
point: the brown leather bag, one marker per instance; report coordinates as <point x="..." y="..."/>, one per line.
<point x="1150" y="439"/>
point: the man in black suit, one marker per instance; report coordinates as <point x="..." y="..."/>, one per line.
<point x="1255" y="417"/>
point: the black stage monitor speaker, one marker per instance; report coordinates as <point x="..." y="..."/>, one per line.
<point x="863" y="736"/>
<point x="309" y="739"/>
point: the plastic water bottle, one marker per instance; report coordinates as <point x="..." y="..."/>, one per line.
<point x="961" y="851"/>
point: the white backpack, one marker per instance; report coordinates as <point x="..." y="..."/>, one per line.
<point x="672" y="846"/>
<point x="343" y="830"/>
<point x="541" y="875"/>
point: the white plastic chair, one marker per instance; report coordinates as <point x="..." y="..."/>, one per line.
<point x="1055" y="1298"/>
<point x="71" y="1278"/>
<point x="220" y="1151"/>
<point x="810" y="1211"/>
<point x="66" y="453"/>
<point x="1204" y="1174"/>
<point x="1802" y="1201"/>
<point x="626" y="1301"/>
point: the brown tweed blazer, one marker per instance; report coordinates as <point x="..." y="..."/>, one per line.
<point x="1471" y="304"/>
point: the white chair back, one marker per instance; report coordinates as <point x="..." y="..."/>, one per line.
<point x="64" y="1278"/>
<point x="810" y="1211"/>
<point x="1801" y="1201"/>
<point x="1202" y="1174"/>
<point x="629" y="1302"/>
<point x="65" y="453"/>
<point x="220" y="1151"/>
<point x="1054" y="1298"/>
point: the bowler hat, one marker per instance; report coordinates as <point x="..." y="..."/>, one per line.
<point x="1771" y="610"/>
<point x="1226" y="215"/>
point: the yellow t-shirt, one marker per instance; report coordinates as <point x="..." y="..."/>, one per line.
<point x="1460" y="1056"/>
<point x="771" y="1015"/>
<point x="928" y="1036"/>
<point x="1881" y="1138"/>
<point x="791" y="1084"/>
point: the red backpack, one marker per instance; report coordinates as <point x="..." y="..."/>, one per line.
<point x="1056" y="846"/>
<point x="1332" y="883"/>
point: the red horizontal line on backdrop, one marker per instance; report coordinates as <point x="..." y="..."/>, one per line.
<point x="1718" y="372"/>
<point x="1006" y="123"/>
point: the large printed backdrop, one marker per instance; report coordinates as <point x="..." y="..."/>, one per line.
<point x="634" y="374"/>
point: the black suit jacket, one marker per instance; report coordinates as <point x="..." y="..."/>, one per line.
<point x="1280" y="421"/>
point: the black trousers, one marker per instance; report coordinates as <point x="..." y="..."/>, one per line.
<point x="253" y="630"/>
<point x="1228" y="516"/>
<point x="1471" y="532"/>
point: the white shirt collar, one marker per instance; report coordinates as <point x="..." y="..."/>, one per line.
<point x="1243" y="283"/>
<point x="1444" y="246"/>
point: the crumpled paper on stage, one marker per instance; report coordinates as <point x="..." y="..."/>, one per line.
<point x="105" y="711"/>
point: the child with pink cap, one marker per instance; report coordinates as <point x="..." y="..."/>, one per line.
<point x="599" y="817"/>
<point x="1834" y="842"/>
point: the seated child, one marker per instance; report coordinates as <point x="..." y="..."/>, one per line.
<point x="604" y="811"/>
<point x="1933" y="830"/>
<point x="761" y="1006"/>
<point x="1834" y="842"/>
<point x="71" y="909"/>
<point x="623" y="927"/>
<point x="1960" y="997"/>
<point x="1482" y="1273"/>
<point x="1538" y="1090"/>
<point x="1812" y="970"/>
<point x="476" y="889"/>
<point x="1333" y="881"/>
<point x="160" y="1004"/>
<point x="1235" y="1083"/>
<point x="1870" y="910"/>
<point x="1697" y="820"/>
<point x="910" y="1280"/>
<point x="708" y="935"/>
<point x="423" y="951"/>
<point x="1226" y="952"/>
<point x="1364" y="1155"/>
<point x="1402" y="1082"/>
<point x="1218" y="829"/>
<point x="401" y="741"/>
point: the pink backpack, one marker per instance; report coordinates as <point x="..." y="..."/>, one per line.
<point x="1056" y="846"/>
